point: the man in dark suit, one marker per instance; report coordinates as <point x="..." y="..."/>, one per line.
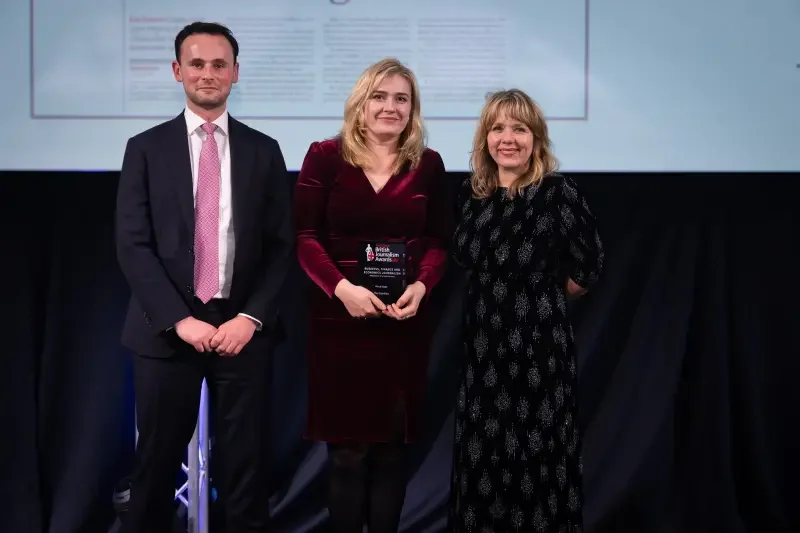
<point x="204" y="239"/>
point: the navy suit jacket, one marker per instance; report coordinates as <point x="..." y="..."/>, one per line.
<point x="155" y="232"/>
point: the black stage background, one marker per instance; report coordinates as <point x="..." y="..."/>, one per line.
<point x="689" y="358"/>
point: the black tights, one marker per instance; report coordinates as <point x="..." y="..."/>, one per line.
<point x="367" y="481"/>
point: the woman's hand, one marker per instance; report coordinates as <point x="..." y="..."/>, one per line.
<point x="574" y="290"/>
<point x="359" y="302"/>
<point x="408" y="304"/>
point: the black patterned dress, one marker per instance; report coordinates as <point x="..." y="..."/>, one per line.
<point x="517" y="461"/>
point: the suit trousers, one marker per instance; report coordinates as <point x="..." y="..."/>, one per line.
<point x="167" y="399"/>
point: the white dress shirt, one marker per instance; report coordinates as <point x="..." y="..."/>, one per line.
<point x="227" y="241"/>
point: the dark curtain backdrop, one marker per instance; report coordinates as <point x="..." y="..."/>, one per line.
<point x="688" y="365"/>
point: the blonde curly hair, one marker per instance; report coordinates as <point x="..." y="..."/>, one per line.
<point x="411" y="144"/>
<point x="516" y="105"/>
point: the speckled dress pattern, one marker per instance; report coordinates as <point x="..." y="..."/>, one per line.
<point x="517" y="461"/>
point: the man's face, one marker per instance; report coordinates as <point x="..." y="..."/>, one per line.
<point x="207" y="70"/>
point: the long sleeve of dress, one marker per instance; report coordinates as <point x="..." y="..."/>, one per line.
<point x="310" y="204"/>
<point x="438" y="227"/>
<point x="582" y="249"/>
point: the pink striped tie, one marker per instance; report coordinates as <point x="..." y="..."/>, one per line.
<point x="206" y="219"/>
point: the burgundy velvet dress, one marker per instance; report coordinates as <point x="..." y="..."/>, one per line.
<point x="360" y="370"/>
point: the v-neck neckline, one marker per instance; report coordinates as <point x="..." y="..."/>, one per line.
<point x="372" y="187"/>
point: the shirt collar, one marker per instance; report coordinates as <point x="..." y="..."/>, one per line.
<point x="193" y="121"/>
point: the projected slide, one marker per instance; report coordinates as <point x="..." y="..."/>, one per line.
<point x="300" y="58"/>
<point x="650" y="85"/>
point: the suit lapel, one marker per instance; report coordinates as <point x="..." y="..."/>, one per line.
<point x="180" y="161"/>
<point x="242" y="159"/>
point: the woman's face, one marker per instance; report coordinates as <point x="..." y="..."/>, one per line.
<point x="388" y="108"/>
<point x="510" y="144"/>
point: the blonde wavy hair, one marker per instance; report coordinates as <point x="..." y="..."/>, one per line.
<point x="353" y="133"/>
<point x="516" y="105"/>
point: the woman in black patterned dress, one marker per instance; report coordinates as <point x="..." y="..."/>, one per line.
<point x="528" y="240"/>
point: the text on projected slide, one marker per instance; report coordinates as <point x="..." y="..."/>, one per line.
<point x="300" y="58"/>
